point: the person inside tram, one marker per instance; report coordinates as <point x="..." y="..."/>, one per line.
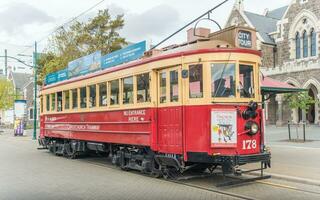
<point x="220" y="89"/>
<point x="112" y="102"/>
<point x="140" y="98"/>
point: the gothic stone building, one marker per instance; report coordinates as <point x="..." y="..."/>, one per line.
<point x="288" y="38"/>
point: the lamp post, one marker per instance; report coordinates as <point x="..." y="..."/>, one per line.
<point x="35" y="55"/>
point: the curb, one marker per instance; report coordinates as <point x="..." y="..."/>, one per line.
<point x="290" y="178"/>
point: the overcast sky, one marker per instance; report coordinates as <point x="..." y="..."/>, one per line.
<point x="23" y="22"/>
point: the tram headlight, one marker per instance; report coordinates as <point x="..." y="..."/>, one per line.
<point x="252" y="127"/>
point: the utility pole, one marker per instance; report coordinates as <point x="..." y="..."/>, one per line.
<point x="35" y="55"/>
<point x="5" y="63"/>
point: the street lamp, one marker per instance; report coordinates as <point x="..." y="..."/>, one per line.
<point x="35" y="92"/>
<point x="35" y="55"/>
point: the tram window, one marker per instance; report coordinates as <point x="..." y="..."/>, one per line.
<point x="92" y="97"/>
<point x="59" y="101"/>
<point x="83" y="97"/>
<point x="223" y="80"/>
<point x="53" y="102"/>
<point x="102" y="94"/>
<point x="195" y="81"/>
<point x="163" y="87"/>
<point x="74" y="98"/>
<point x="66" y="99"/>
<point x="127" y="90"/>
<point x="246" y="82"/>
<point x="174" y="86"/>
<point x="143" y="88"/>
<point x="47" y="102"/>
<point x="114" y="96"/>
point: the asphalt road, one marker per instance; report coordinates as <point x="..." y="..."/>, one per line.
<point x="27" y="173"/>
<point x="301" y="162"/>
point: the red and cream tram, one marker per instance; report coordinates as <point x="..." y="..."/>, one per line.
<point x="193" y="106"/>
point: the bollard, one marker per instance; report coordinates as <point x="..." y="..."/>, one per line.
<point x="304" y="131"/>
<point x="289" y="130"/>
<point x="297" y="130"/>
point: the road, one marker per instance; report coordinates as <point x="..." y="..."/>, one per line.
<point x="27" y="173"/>
<point x="296" y="159"/>
<point x="300" y="162"/>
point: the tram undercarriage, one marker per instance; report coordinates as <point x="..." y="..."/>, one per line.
<point x="168" y="166"/>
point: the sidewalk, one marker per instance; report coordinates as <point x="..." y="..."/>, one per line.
<point x="294" y="160"/>
<point x="280" y="136"/>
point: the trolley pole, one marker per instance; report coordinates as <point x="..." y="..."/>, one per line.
<point x="35" y="92"/>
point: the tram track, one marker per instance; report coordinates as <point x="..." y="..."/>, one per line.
<point x="107" y="164"/>
<point x="287" y="187"/>
<point x="229" y="194"/>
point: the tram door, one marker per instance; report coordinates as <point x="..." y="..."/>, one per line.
<point x="170" y="110"/>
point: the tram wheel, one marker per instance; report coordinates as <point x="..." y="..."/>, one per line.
<point x="69" y="152"/>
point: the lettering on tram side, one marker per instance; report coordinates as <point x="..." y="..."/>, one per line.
<point x="73" y="127"/>
<point x="53" y="119"/>
<point x="135" y="115"/>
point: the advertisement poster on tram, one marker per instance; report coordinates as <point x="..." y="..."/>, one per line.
<point x="84" y="65"/>
<point x="223" y="128"/>
<point x="130" y="53"/>
<point x="51" y="78"/>
<point x="62" y="75"/>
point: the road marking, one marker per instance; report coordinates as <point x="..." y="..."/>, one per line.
<point x="277" y="185"/>
<point x="289" y="187"/>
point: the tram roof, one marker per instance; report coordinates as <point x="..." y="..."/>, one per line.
<point x="154" y="59"/>
<point x="234" y="39"/>
<point x="272" y="86"/>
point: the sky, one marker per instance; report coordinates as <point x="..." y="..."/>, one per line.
<point x="23" y="22"/>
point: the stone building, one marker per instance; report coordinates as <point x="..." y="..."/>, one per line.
<point x="28" y="95"/>
<point x="288" y="38"/>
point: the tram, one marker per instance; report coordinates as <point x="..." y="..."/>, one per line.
<point x="195" y="106"/>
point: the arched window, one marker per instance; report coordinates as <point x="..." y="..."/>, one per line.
<point x="305" y="44"/>
<point x="313" y="46"/>
<point x="298" y="46"/>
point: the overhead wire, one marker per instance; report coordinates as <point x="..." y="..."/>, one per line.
<point x="64" y="24"/>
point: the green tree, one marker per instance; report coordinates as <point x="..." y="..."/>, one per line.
<point x="300" y="100"/>
<point x="81" y="38"/>
<point x="7" y="94"/>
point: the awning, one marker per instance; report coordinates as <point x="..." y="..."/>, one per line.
<point x="272" y="86"/>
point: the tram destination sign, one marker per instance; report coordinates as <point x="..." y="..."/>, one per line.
<point x="124" y="55"/>
<point x="245" y="39"/>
